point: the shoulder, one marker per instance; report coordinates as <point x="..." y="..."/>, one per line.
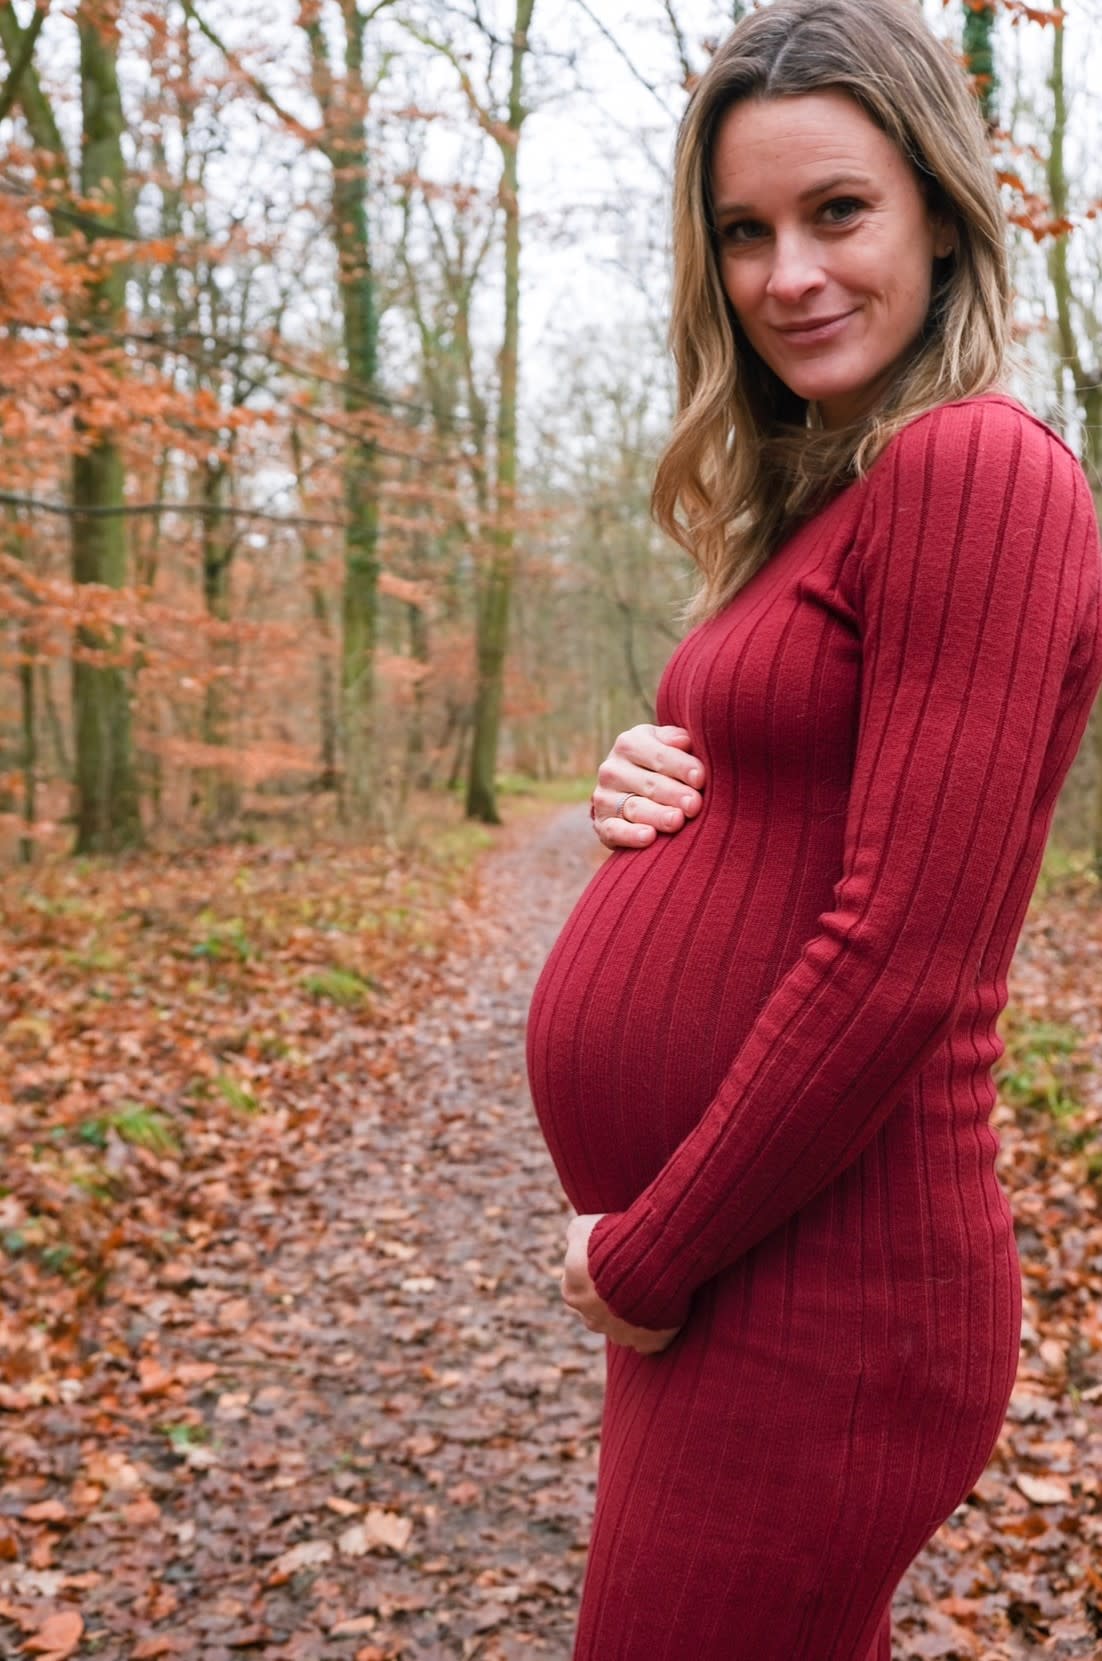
<point x="987" y="449"/>
<point x="969" y="489"/>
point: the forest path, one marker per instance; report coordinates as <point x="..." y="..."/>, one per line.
<point x="359" y="1423"/>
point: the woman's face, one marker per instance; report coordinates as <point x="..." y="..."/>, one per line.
<point x="825" y="244"/>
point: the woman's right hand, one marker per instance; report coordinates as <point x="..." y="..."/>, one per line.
<point x="654" y="768"/>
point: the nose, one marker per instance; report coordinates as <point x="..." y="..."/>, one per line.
<point x="796" y="269"/>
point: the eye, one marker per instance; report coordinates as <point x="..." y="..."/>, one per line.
<point x="841" y="209"/>
<point x="741" y="230"/>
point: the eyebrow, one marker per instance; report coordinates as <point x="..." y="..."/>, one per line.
<point x="822" y="189"/>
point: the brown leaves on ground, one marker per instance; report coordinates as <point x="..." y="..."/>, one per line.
<point x="1015" y="1573"/>
<point x="283" y="1377"/>
<point x="167" y="1021"/>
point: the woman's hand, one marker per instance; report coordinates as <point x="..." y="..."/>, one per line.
<point x="582" y="1296"/>
<point x="653" y="769"/>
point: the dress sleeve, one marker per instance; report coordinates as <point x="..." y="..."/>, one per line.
<point x="974" y="561"/>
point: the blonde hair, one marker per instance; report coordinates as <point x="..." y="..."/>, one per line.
<point x="742" y="467"/>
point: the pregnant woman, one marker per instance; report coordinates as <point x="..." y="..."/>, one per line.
<point x="761" y="1049"/>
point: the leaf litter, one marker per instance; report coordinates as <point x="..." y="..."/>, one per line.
<point x="284" y="1370"/>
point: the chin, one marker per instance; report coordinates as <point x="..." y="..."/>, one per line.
<point x="857" y="394"/>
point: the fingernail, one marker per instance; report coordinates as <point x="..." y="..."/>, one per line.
<point x="687" y="803"/>
<point x="670" y="819"/>
<point x="695" y="775"/>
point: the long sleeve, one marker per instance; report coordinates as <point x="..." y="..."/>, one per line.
<point x="974" y="567"/>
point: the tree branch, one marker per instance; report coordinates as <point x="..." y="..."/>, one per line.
<point x="688" y="74"/>
<point x="620" y="53"/>
<point x="308" y="134"/>
<point x="69" y="510"/>
<point x="22" y="59"/>
<point x="39" y="115"/>
<point x="497" y="130"/>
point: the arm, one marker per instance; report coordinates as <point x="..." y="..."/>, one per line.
<point x="971" y="564"/>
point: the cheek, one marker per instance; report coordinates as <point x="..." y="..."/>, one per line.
<point x="915" y="299"/>
<point x="904" y="294"/>
<point x="742" y="292"/>
<point x="731" y="289"/>
<point x="739" y="283"/>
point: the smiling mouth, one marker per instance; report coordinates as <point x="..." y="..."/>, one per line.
<point x="815" y="329"/>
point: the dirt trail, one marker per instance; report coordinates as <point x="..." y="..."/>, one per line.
<point x="374" y="1427"/>
<point x="378" y="1433"/>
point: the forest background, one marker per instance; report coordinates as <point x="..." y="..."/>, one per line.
<point x="332" y="377"/>
<point x="332" y="340"/>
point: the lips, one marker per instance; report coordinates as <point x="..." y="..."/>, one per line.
<point x="813" y="324"/>
<point x="813" y="329"/>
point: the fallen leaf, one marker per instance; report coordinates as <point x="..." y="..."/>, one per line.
<point x="386" y="1528"/>
<point x="60" y="1635"/>
<point x="308" y="1554"/>
<point x="1044" y="1490"/>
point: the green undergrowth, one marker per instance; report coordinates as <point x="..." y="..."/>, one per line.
<point x="1041" y="1064"/>
<point x="511" y="785"/>
<point x="167" y="1011"/>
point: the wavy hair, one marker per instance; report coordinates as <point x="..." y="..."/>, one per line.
<point x="746" y="462"/>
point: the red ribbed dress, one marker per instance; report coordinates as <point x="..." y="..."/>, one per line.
<point x="763" y="1046"/>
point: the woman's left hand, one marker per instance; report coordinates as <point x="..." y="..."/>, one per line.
<point x="582" y="1296"/>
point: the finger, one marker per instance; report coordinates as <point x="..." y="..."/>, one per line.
<point x="675" y="763"/>
<point x="652" y="1343"/>
<point x="573" y="1284"/>
<point x="651" y="748"/>
<point x="618" y="777"/>
<point x="647" y="1340"/>
<point x="679" y="737"/>
<point x="620" y="831"/>
<point x="658" y="789"/>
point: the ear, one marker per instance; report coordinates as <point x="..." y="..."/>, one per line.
<point x="945" y="236"/>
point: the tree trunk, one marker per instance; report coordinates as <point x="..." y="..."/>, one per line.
<point x="1085" y="377"/>
<point x="344" y="106"/>
<point x="493" y="608"/>
<point x="30" y="747"/>
<point x="327" y="699"/>
<point x="62" y="760"/>
<point x="360" y="598"/>
<point x="414" y="776"/>
<point x="979" y="55"/>
<point x="461" y="725"/>
<point x="221" y="792"/>
<point x="107" y="815"/>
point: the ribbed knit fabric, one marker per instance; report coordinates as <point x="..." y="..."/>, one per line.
<point x="763" y="1046"/>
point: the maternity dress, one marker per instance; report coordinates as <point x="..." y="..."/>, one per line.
<point x="763" y="1046"/>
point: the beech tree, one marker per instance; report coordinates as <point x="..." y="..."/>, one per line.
<point x="92" y="195"/>
<point x="496" y="579"/>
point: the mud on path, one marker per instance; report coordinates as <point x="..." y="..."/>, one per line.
<point x="369" y="1428"/>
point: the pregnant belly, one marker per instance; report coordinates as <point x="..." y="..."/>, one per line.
<point x="657" y="976"/>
